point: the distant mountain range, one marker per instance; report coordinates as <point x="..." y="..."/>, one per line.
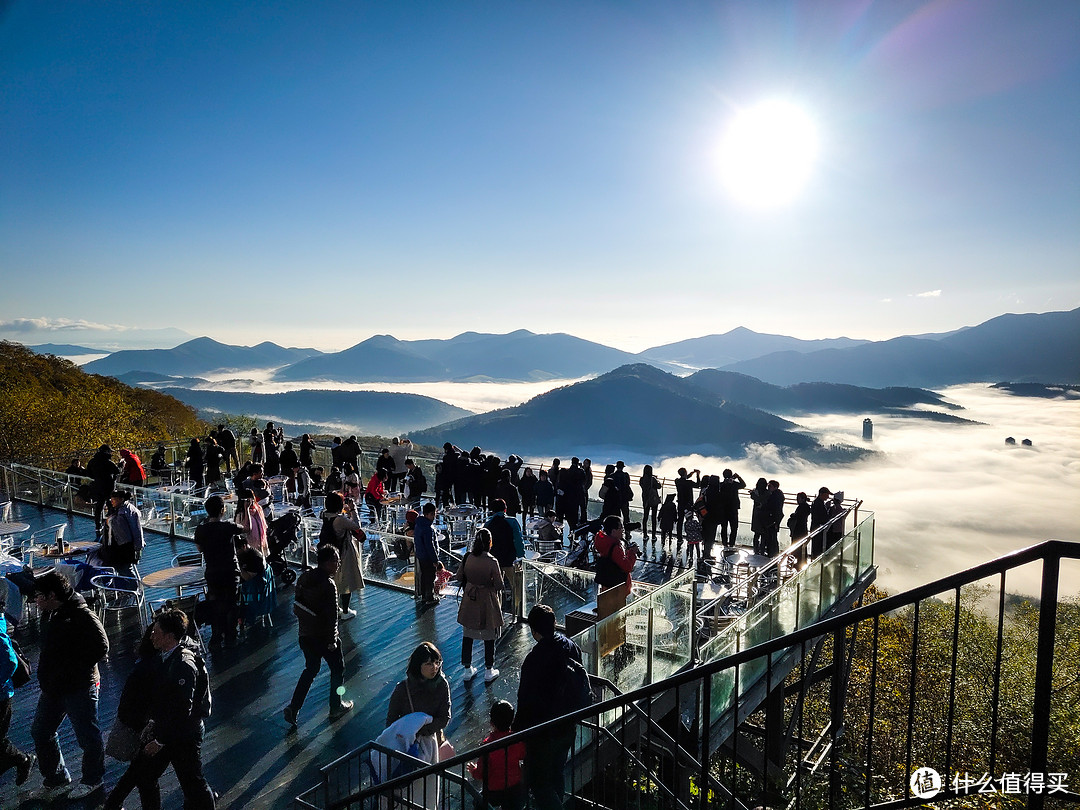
<point x="1019" y="348"/>
<point x="471" y="356"/>
<point x="63" y="349"/>
<point x="199" y="356"/>
<point x="375" y="412"/>
<point x="715" y="351"/>
<point x="636" y="407"/>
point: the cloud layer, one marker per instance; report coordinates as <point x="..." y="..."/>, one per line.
<point x="947" y="497"/>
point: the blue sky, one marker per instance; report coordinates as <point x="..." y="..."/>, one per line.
<point x="314" y="173"/>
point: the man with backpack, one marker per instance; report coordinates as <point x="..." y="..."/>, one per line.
<point x="179" y="701"/>
<point x="553" y="683"/>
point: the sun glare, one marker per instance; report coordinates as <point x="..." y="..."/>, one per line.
<point x="768" y="153"/>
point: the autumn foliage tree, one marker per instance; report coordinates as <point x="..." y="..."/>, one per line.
<point x="51" y="410"/>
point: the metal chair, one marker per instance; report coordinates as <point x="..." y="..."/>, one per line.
<point x="116" y="593"/>
<point x="187" y="558"/>
<point x="189" y="604"/>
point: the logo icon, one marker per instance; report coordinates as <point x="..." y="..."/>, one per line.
<point x="925" y="783"/>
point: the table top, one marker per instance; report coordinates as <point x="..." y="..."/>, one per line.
<point x="72" y="549"/>
<point x="13" y="527"/>
<point x="176" y="577"/>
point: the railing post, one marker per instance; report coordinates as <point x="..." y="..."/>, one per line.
<point x="649" y="648"/>
<point x="836" y="711"/>
<point x="40" y="489"/>
<point x="695" y="637"/>
<point x="1044" y="673"/>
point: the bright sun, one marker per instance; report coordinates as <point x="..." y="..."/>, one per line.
<point x="768" y="153"/>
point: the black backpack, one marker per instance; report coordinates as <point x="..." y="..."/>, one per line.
<point x="608" y="574"/>
<point x="327" y="533"/>
<point x="575" y="692"/>
<point x="201" y="702"/>
<point x="420" y="481"/>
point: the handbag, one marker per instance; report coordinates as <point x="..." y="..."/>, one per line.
<point x="123" y="742"/>
<point x="603" y="493"/>
<point x="23" y="670"/>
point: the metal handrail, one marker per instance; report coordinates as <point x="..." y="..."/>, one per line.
<point x="1050" y="552"/>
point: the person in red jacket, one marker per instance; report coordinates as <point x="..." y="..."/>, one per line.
<point x="376" y="493"/>
<point x="615" y="559"/>
<point x="500" y="770"/>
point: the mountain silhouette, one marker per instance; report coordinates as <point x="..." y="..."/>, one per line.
<point x="198" y="357"/>
<point x="815" y="397"/>
<point x="377" y="412"/>
<point x="1020" y="348"/>
<point x="62" y="349"/>
<point x="713" y="351"/>
<point x="471" y="356"/>
<point x="635" y="407"/>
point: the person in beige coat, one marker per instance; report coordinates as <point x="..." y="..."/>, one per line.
<point x="480" y="613"/>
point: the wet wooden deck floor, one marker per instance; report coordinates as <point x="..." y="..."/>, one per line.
<point x="250" y="756"/>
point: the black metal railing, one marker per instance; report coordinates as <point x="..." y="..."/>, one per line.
<point x="954" y="678"/>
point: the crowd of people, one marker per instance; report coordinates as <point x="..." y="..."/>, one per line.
<point x="167" y="694"/>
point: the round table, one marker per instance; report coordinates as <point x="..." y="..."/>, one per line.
<point x="179" y="577"/>
<point x="72" y="549"/>
<point x="12" y="527"/>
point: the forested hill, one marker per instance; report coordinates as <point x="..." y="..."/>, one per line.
<point x="635" y="407"/>
<point x="51" y="409"/>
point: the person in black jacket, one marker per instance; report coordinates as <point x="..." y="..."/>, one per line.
<point x="774" y="513"/>
<point x="134" y="712"/>
<point x="684" y="489"/>
<point x="214" y="537"/>
<point x="103" y="471"/>
<point x="316" y="609"/>
<point x="73" y="641"/>
<point x="179" y="701"/>
<point x="227" y="439"/>
<point x="819" y="516"/>
<point x="729" y="507"/>
<point x="543" y="669"/>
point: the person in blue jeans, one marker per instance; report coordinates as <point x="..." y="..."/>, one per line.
<point x="73" y="641"/>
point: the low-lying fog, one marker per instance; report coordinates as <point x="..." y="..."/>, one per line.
<point x="947" y="497"/>
<point x="473" y="396"/>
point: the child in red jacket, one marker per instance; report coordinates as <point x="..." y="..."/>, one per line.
<point x="500" y="770"/>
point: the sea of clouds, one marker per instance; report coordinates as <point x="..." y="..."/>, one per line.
<point x="947" y="497"/>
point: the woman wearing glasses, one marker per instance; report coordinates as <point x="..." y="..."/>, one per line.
<point x="425" y="689"/>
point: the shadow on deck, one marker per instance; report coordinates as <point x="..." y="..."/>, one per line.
<point x="249" y="754"/>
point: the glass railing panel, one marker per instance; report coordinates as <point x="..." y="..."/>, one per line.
<point x="381" y="561"/>
<point x="618" y="646"/>
<point x="672" y="630"/>
<point x="866" y="543"/>
<point x="563" y="589"/>
<point x="810" y="594"/>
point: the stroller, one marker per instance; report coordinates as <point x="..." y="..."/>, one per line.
<point x="280" y="534"/>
